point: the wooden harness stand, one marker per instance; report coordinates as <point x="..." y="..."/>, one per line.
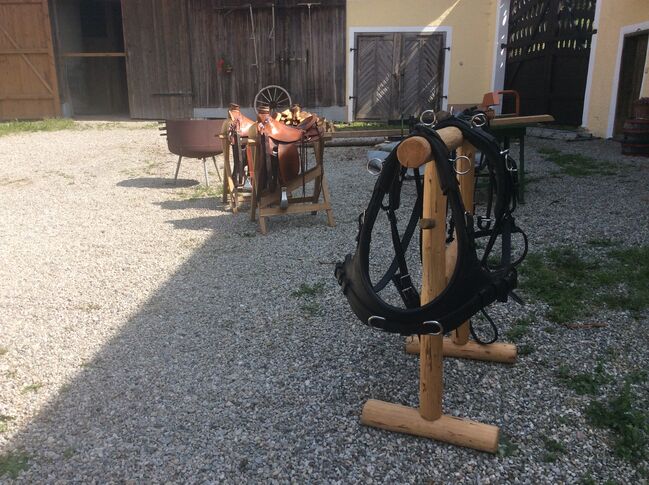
<point x="267" y="203"/>
<point x="429" y="421"/>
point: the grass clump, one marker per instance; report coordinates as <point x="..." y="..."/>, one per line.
<point x="306" y="290"/>
<point x="201" y="192"/>
<point x="576" y="165"/>
<point x="627" y="418"/>
<point x="361" y="125"/>
<point x="13" y="463"/>
<point x="584" y="383"/>
<point x="575" y="287"/>
<point x="51" y="124"/>
<point x="552" y="449"/>
<point x="519" y="330"/>
<point x="32" y="387"/>
<point x="506" y="447"/>
<point x="4" y="420"/>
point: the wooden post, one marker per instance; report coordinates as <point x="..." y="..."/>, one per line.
<point x="430" y="422"/>
<point x="459" y="345"/>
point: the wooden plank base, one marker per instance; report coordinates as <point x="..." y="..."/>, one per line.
<point x="449" y="429"/>
<point x="496" y="352"/>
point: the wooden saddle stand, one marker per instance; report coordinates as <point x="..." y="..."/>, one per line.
<point x="429" y="421"/>
<point x="275" y="153"/>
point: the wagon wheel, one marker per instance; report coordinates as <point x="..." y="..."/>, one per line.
<point x="275" y="97"/>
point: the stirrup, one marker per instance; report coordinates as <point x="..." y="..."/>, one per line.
<point x="283" y="202"/>
<point x="247" y="186"/>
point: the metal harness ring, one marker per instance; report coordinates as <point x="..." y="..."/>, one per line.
<point x="478" y="120"/>
<point x="432" y="123"/>
<point x="454" y="160"/>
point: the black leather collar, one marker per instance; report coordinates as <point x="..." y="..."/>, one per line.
<point x="473" y="284"/>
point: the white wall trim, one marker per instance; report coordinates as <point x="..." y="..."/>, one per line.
<point x="624" y="31"/>
<point x="500" y="54"/>
<point x="591" y="65"/>
<point x="352" y="31"/>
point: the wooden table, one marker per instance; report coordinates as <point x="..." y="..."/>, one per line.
<point x="509" y="127"/>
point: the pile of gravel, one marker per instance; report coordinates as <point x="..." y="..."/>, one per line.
<point x="148" y="334"/>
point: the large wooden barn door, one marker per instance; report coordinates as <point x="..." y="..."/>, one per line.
<point x="548" y="51"/>
<point x="158" y="67"/>
<point x="397" y="74"/>
<point x="28" y="84"/>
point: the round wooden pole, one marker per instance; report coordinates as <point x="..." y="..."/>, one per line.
<point x="433" y="250"/>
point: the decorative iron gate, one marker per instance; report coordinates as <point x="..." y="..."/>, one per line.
<point x="398" y="74"/>
<point x="548" y="50"/>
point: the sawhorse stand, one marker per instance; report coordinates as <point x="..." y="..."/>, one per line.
<point x="267" y="204"/>
<point x="429" y="420"/>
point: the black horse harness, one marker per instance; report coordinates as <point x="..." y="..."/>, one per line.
<point x="475" y="282"/>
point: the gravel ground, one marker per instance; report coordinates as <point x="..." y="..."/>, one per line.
<point x="149" y="336"/>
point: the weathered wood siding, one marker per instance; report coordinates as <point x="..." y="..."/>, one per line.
<point x="28" y="83"/>
<point x="307" y="58"/>
<point x="156" y="39"/>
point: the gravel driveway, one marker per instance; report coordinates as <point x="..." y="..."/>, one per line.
<point x="149" y="335"/>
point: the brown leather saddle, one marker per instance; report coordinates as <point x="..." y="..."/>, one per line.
<point x="238" y="138"/>
<point x="283" y="150"/>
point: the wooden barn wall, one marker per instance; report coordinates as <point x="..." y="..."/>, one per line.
<point x="309" y="61"/>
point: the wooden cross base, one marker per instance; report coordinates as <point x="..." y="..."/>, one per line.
<point x="496" y="352"/>
<point x="268" y="203"/>
<point x="446" y="428"/>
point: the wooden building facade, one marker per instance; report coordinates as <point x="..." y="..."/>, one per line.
<point x="156" y="59"/>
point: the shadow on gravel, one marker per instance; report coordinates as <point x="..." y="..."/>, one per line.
<point x="156" y="183"/>
<point x="221" y="375"/>
<point x="198" y="203"/>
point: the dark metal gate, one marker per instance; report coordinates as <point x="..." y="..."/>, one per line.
<point x="548" y="50"/>
<point x="398" y="74"/>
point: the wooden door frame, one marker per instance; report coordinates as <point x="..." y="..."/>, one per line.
<point x="627" y="30"/>
<point x="351" y="64"/>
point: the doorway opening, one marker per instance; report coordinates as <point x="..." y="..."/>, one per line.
<point x="634" y="54"/>
<point x="91" y="57"/>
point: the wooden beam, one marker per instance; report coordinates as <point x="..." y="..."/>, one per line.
<point x="519" y="120"/>
<point x="456" y="431"/>
<point x="23" y="51"/>
<point x="415" y="151"/>
<point x="94" y="54"/>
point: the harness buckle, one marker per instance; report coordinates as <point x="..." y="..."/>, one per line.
<point x="371" y="320"/>
<point x="436" y="327"/>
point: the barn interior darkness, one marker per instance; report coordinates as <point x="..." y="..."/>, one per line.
<point x="90" y="54"/>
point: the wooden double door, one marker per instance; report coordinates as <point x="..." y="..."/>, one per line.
<point x="398" y="74"/>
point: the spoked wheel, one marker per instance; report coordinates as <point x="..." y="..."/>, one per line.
<point x="275" y="97"/>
